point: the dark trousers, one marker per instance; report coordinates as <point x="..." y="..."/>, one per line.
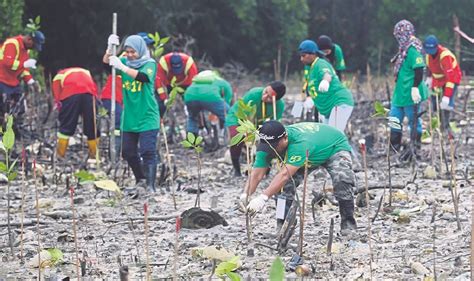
<point x="140" y="145"/>
<point x="118" y="111"/>
<point x="73" y="107"/>
<point x="195" y="107"/>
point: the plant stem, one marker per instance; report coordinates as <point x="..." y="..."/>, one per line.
<point x="176" y="248"/>
<point x="74" y="228"/>
<point x="454" y="185"/>
<point x="168" y="160"/>
<point x="431" y="132"/>
<point x="197" y="203"/>
<point x="37" y="219"/>
<point x="305" y="180"/>
<point x="147" y="253"/>
<point x="367" y="198"/>
<point x="389" y="171"/>
<point x="440" y="135"/>
<point x="22" y="211"/>
<point x="248" y="219"/>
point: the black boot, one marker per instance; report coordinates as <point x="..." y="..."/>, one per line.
<point x="395" y="140"/>
<point x="136" y="169"/>
<point x="236" y="165"/>
<point x="346" y="209"/>
<point x="151" y="178"/>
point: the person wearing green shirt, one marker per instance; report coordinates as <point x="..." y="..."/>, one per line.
<point x="315" y="143"/>
<point x="262" y="99"/>
<point x="140" y="118"/>
<point x="333" y="101"/>
<point x="333" y="53"/>
<point x="225" y="89"/>
<point x="409" y="91"/>
<point x="204" y="95"/>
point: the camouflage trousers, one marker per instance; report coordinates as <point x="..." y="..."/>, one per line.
<point x="339" y="167"/>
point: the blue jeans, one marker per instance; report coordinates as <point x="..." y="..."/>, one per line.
<point x="118" y="111"/>
<point x="195" y="107"/>
<point x="408" y="111"/>
<point x="444" y="114"/>
<point x="140" y="145"/>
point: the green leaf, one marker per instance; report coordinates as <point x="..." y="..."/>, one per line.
<point x="9" y="139"/>
<point x="12" y="165"/>
<point x="227" y="266"/>
<point x="434" y="123"/>
<point x="56" y="255"/>
<point x="158" y="52"/>
<point x="9" y="122"/>
<point x="164" y="40"/>
<point x="109" y="185"/>
<point x="454" y="127"/>
<point x="186" y="144"/>
<point x="233" y="276"/>
<point x="84" y="176"/>
<point x="37" y="20"/>
<point x="180" y="90"/>
<point x="2" y="146"/>
<point x="12" y="176"/>
<point x="191" y="137"/>
<point x="380" y="109"/>
<point x="199" y="149"/>
<point x="199" y="140"/>
<point x="277" y="271"/>
<point x="3" y="167"/>
<point x="236" y="139"/>
<point x="425" y="135"/>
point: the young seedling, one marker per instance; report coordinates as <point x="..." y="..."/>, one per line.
<point x="194" y="142"/>
<point x="6" y="144"/>
<point x="176" y="248"/>
<point x="453" y="184"/>
<point x="303" y="204"/>
<point x="170" y="167"/>
<point x="38" y="232"/>
<point x="23" y="176"/>
<point x="367" y="198"/>
<point x="147" y="252"/>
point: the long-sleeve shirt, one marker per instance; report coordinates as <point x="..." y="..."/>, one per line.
<point x="13" y="55"/>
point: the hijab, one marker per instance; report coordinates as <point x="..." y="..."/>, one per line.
<point x="138" y="44"/>
<point x="404" y="33"/>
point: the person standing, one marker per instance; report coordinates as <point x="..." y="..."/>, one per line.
<point x="74" y="91"/>
<point x="409" y="91"/>
<point x="140" y="117"/>
<point x="333" y="101"/>
<point x="445" y="76"/>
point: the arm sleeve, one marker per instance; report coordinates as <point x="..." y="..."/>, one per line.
<point x="56" y="89"/>
<point x="448" y="68"/>
<point x="418" y="76"/>
<point x="147" y="73"/>
<point x="190" y="75"/>
<point x="9" y="55"/>
<point x="142" y="77"/>
<point x="261" y="160"/>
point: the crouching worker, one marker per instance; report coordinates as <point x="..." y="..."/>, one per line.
<point x="327" y="146"/>
<point x="74" y="93"/>
<point x="140" y="115"/>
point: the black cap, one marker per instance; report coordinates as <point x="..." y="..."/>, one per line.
<point x="279" y="88"/>
<point x="270" y="134"/>
<point x="325" y="42"/>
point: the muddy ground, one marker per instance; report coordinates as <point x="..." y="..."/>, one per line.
<point x="111" y="229"/>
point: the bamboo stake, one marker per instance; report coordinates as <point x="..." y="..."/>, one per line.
<point x="389" y="171"/>
<point x="168" y="160"/>
<point x="274" y="105"/>
<point x="113" y="98"/>
<point x="367" y="198"/>
<point x="147" y="252"/>
<point x="22" y="211"/>
<point x="454" y="184"/>
<point x="440" y="135"/>
<point x="248" y="218"/>
<point x="97" y="155"/>
<point x="176" y="248"/>
<point x="431" y="131"/>
<point x="74" y="228"/>
<point x="303" y="205"/>
<point x="38" y="233"/>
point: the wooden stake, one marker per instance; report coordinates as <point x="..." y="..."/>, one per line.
<point x="303" y="204"/>
<point x="168" y="160"/>
<point x="248" y="218"/>
<point x="430" y="110"/>
<point x="113" y="98"/>
<point x="367" y="198"/>
<point x="454" y="191"/>
<point x="74" y="228"/>
<point x="176" y="249"/>
<point x="22" y="211"/>
<point x="148" y="268"/>
<point x="38" y="233"/>
<point x="440" y="135"/>
<point x="389" y="170"/>
<point x="274" y="105"/>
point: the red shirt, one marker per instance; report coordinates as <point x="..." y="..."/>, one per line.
<point x="106" y="93"/>
<point x="13" y="54"/>
<point x="183" y="79"/>
<point x="73" y="81"/>
<point x="444" y="69"/>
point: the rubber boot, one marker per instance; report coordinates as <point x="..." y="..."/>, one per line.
<point x="136" y="169"/>
<point x="62" y="147"/>
<point x="288" y="204"/>
<point x="346" y="210"/>
<point x="92" y="145"/>
<point x="236" y="165"/>
<point x="118" y="146"/>
<point x="395" y="140"/>
<point x="150" y="178"/>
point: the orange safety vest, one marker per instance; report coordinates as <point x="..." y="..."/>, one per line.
<point x="12" y="56"/>
<point x="444" y="69"/>
<point x="165" y="74"/>
<point x="73" y="81"/>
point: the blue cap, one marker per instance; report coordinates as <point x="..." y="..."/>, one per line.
<point x="431" y="44"/>
<point x="145" y="37"/>
<point x="38" y="40"/>
<point x="176" y="64"/>
<point x="308" y="47"/>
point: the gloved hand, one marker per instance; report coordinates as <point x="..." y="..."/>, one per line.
<point x="323" y="86"/>
<point x="115" y="62"/>
<point x="111" y="41"/>
<point x="308" y="104"/>
<point x="415" y="94"/>
<point x="30" y="63"/>
<point x="437" y="90"/>
<point x="257" y="204"/>
<point x="429" y="82"/>
<point x="445" y="103"/>
<point x="57" y="105"/>
<point x="243" y="201"/>
<point x="30" y="82"/>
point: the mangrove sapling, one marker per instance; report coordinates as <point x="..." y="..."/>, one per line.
<point x="176" y="248"/>
<point x="194" y="142"/>
<point x="22" y="211"/>
<point x="367" y="198"/>
<point x="7" y="168"/>
<point x="453" y="183"/>
<point x="38" y="233"/>
<point x="305" y="180"/>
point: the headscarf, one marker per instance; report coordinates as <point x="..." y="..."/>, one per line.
<point x="138" y="44"/>
<point x="404" y="33"/>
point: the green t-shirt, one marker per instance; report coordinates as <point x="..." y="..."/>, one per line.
<point x="322" y="141"/>
<point x="225" y="89"/>
<point x="337" y="93"/>
<point x="339" y="63"/>
<point x="406" y="78"/>
<point x="207" y="92"/>
<point x="140" y="111"/>
<point x="254" y="96"/>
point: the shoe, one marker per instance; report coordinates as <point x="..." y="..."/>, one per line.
<point x="92" y="145"/>
<point x="346" y="210"/>
<point x="151" y="178"/>
<point x="395" y="140"/>
<point x="62" y="147"/>
<point x="236" y="165"/>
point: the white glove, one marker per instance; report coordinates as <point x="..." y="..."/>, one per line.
<point x="30" y="63"/>
<point x="30" y="82"/>
<point x="308" y="103"/>
<point x="111" y="41"/>
<point x="257" y="204"/>
<point x="445" y="103"/>
<point x="115" y="62"/>
<point x="429" y="82"/>
<point x="415" y="94"/>
<point x="323" y="86"/>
